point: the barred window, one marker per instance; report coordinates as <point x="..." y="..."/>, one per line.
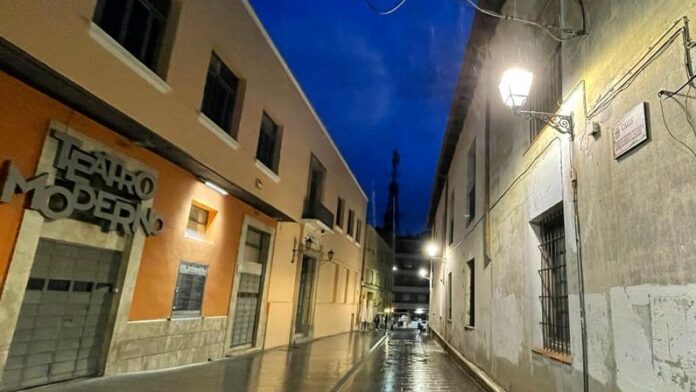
<point x="554" y="285"/>
<point x="546" y="93"/>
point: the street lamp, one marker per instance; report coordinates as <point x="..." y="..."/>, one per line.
<point x="423" y="273"/>
<point x="431" y="249"/>
<point x="514" y="89"/>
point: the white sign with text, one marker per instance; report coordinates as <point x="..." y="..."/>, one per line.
<point x="631" y="130"/>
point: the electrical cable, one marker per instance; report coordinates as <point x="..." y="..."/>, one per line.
<point x="554" y="31"/>
<point x="378" y="11"/>
<point x="650" y="55"/>
<point x="524" y="172"/>
<point x="686" y="109"/>
<point x="664" y="121"/>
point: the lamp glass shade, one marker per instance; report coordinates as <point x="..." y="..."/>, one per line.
<point x="431" y="249"/>
<point x="514" y="86"/>
<point x="423" y="273"/>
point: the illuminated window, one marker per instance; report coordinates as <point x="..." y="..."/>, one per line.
<point x="197" y="223"/>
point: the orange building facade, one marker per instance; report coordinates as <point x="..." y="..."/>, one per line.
<point x="135" y="232"/>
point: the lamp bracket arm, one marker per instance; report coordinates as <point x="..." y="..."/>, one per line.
<point x="563" y="123"/>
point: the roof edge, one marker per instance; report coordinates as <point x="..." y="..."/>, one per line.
<point x="482" y="29"/>
<point x="268" y="39"/>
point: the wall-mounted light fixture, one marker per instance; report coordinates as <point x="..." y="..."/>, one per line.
<point x="431" y="249"/>
<point x="423" y="273"/>
<point x="331" y="254"/>
<point x="514" y="89"/>
<point x="217" y="188"/>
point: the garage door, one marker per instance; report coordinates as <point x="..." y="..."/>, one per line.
<point x="64" y="316"/>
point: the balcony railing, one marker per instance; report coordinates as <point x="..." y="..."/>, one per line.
<point x="315" y="213"/>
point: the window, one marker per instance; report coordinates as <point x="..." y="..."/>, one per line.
<point x="190" y="286"/>
<point x="349" y="287"/>
<point x="256" y="246"/>
<point x="471" y="264"/>
<point x="358" y="231"/>
<point x="546" y="93"/>
<point x="422" y="298"/>
<point x="340" y="208"/>
<point x="268" y="149"/>
<point x="554" y="284"/>
<point x="451" y="221"/>
<point x="317" y="175"/>
<point x="351" y="222"/>
<point x="471" y="184"/>
<point x="197" y="223"/>
<point x="220" y="94"/>
<point x="137" y="25"/>
<point x="449" y="296"/>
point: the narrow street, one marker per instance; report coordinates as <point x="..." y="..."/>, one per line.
<point x="408" y="361"/>
<point x="402" y="361"/>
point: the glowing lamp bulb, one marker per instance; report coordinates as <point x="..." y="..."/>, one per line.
<point x="514" y="86"/>
<point x="431" y="249"/>
<point x="423" y="273"/>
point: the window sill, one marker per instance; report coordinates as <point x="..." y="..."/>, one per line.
<point x="217" y="131"/>
<point x="470" y="328"/>
<point x="118" y="51"/>
<point x="562" y="358"/>
<point x="267" y="171"/>
<point x="197" y="238"/>
<point x="338" y="229"/>
<point x="184" y="317"/>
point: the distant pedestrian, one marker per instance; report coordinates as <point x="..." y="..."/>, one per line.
<point x="366" y="318"/>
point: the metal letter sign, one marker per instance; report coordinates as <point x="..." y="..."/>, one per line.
<point x="90" y="186"/>
<point x="630" y="131"/>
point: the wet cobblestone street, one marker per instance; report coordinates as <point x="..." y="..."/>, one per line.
<point x="408" y="361"/>
<point x="405" y="361"/>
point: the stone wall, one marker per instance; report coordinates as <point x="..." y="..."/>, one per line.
<point x="159" y="344"/>
<point x="636" y="214"/>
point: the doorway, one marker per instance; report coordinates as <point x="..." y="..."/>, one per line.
<point x="304" y="299"/>
<point x="251" y="270"/>
<point x="63" y="323"/>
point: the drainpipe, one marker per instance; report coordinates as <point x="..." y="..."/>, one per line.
<point x="581" y="279"/>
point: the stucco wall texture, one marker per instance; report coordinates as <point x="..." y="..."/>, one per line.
<point x="636" y="214"/>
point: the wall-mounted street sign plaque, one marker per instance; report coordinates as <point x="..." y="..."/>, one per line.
<point x="96" y="187"/>
<point x="631" y="130"/>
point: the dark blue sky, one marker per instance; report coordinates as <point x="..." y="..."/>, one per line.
<point x="378" y="83"/>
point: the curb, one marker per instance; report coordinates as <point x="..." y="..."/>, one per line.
<point x="351" y="373"/>
<point x="474" y="371"/>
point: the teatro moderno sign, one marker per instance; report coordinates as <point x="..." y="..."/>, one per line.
<point x="90" y="186"/>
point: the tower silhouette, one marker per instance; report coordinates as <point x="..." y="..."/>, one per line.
<point x="391" y="214"/>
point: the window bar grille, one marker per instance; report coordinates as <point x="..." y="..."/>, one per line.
<point x="554" y="295"/>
